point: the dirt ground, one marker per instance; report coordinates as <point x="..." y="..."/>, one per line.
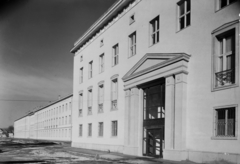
<point x="29" y="151"/>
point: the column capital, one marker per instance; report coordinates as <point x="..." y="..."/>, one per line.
<point x="127" y="93"/>
<point x="181" y="77"/>
<point x="169" y="80"/>
<point x="134" y="91"/>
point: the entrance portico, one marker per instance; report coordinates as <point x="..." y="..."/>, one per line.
<point x="155" y="106"/>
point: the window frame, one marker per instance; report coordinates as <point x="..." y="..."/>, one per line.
<point x="90" y="69"/>
<point x="80" y="130"/>
<point x="100" y="129"/>
<point x="90" y="130"/>
<point x="81" y="75"/>
<point x="218" y="4"/>
<point x="90" y="100"/>
<point x="132" y="40"/>
<point x="100" y="97"/>
<point x="215" y="137"/>
<point x="115" y="55"/>
<point x="132" y="19"/>
<point x="216" y="34"/>
<point x="114" y="128"/>
<point x="101" y="63"/>
<point x="114" y="100"/>
<point x="156" y="33"/>
<point x="80" y="105"/>
<point x="101" y="42"/>
<point x="183" y="15"/>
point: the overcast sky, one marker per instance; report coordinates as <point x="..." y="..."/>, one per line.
<point x="35" y="39"/>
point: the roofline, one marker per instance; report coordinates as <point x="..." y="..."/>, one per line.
<point x="108" y="15"/>
<point x="32" y="112"/>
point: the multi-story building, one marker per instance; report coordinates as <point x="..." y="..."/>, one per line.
<point x="51" y="122"/>
<point x="160" y="78"/>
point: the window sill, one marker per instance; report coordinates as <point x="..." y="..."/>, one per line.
<point x="114" y="109"/>
<point x="224" y="138"/>
<point x="154" y="44"/>
<point x="224" y="87"/>
<point x="183" y="28"/>
<point x="131" y="56"/>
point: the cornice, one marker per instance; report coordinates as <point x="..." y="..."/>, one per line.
<point x="101" y="23"/>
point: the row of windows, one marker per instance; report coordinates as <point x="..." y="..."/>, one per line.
<point x="58" y="133"/>
<point x="55" y="122"/>
<point x="55" y="111"/>
<point x="114" y="129"/>
<point x="114" y="98"/>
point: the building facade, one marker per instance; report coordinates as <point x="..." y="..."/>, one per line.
<point x="51" y="122"/>
<point x="160" y="78"/>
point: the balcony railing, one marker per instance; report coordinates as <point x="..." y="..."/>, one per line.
<point x="100" y="108"/>
<point x="89" y="110"/>
<point x="225" y="77"/>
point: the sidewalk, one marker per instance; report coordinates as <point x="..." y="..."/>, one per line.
<point x="119" y="157"/>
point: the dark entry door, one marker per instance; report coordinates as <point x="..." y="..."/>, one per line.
<point x="153" y="121"/>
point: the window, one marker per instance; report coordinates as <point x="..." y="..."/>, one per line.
<point x="101" y="63"/>
<point x="100" y="129"/>
<point x="114" y="128"/>
<point x="81" y="58"/>
<point x="114" y="94"/>
<point x="225" y="58"/>
<point x="80" y="130"/>
<point x="100" y="98"/>
<point x="115" y="55"/>
<point x="101" y="43"/>
<point x="154" y="31"/>
<point x="89" y="101"/>
<point x="131" y="19"/>
<point x="90" y="73"/>
<point x="89" y="130"/>
<point x="184" y="14"/>
<point x="132" y="44"/>
<point x="65" y="120"/>
<point x="70" y="106"/>
<point x="222" y="3"/>
<point x="69" y="119"/>
<point x="225" y="122"/>
<point x="80" y="104"/>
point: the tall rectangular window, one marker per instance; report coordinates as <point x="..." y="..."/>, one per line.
<point x="80" y="130"/>
<point x="114" y="128"/>
<point x="81" y="75"/>
<point x="100" y="129"/>
<point x="69" y="119"/>
<point x="154" y="31"/>
<point x="115" y="56"/>
<point x="184" y="14"/>
<point x="80" y="105"/>
<point x="114" y="94"/>
<point x="100" y="98"/>
<point x="90" y="71"/>
<point x="132" y="44"/>
<point x="225" y="57"/>
<point x="90" y="101"/>
<point x="90" y="130"/>
<point x="225" y="122"/>
<point x="101" y="63"/>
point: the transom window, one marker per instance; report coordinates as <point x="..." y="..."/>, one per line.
<point x="114" y="94"/>
<point x="115" y="55"/>
<point x="225" y="122"/>
<point x="154" y="31"/>
<point x="114" y="128"/>
<point x="132" y="44"/>
<point x="184" y="14"/>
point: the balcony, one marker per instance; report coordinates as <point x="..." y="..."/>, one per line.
<point x="225" y="77"/>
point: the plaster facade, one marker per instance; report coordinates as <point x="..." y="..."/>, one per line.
<point x="182" y="55"/>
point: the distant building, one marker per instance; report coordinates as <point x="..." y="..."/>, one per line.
<point x="160" y="78"/>
<point x="51" y="122"/>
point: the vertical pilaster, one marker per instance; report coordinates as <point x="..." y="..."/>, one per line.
<point x="180" y="111"/>
<point x="169" y="113"/>
<point x="127" y="118"/>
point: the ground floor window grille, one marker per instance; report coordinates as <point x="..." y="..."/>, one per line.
<point x="225" y="122"/>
